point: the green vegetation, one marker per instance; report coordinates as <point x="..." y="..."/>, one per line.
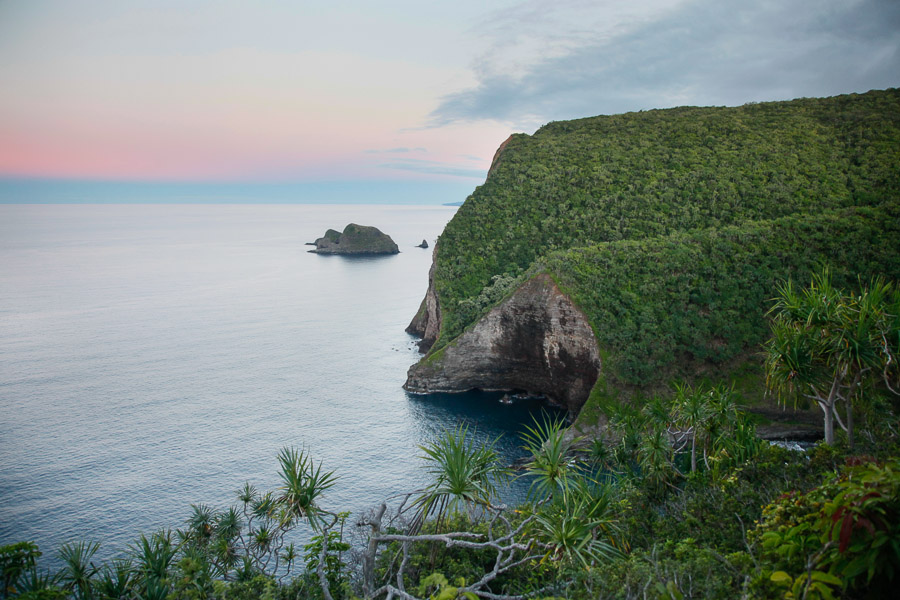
<point x="672" y="230"/>
<point x="669" y="228"/>
<point x="356" y="239"/>
<point x="693" y="302"/>
<point x="635" y="518"/>
<point x="831" y="347"/>
<point x="361" y="238"/>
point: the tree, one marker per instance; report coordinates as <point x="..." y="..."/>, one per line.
<point x="15" y="559"/>
<point x="463" y="475"/>
<point x="78" y="568"/>
<point x="829" y="346"/>
<point x="692" y="410"/>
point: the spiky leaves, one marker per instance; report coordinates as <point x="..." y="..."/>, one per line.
<point x="303" y="482"/>
<point x="579" y="526"/>
<point x="78" y="570"/>
<point x="828" y="346"/>
<point x="552" y="456"/>
<point x="153" y="558"/>
<point x="463" y="474"/>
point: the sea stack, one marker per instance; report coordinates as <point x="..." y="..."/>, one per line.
<point x="356" y="239"/>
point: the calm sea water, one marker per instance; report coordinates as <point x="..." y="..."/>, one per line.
<point x="153" y="356"/>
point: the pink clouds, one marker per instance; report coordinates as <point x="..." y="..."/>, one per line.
<point x="103" y="96"/>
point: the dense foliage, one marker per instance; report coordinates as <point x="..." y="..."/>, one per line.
<point x="831" y="346"/>
<point x="702" y="189"/>
<point x="676" y="227"/>
<point x="670" y="302"/>
<point x="639" y="518"/>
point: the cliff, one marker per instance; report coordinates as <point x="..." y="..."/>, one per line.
<point x="666" y="231"/>
<point x="536" y="340"/>
<point x="356" y="239"/>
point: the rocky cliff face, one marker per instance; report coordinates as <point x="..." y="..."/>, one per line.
<point x="427" y="322"/>
<point x="535" y="340"/>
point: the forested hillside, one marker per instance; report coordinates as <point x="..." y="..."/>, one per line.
<point x="670" y="227"/>
<point x="671" y="301"/>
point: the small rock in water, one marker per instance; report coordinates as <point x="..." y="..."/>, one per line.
<point x="424" y="244"/>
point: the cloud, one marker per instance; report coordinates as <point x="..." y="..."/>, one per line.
<point x="431" y="167"/>
<point x="706" y="52"/>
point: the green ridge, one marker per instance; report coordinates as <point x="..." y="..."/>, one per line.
<point x="670" y="227"/>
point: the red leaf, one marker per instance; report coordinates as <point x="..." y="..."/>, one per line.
<point x="867" y="524"/>
<point x="846" y="531"/>
<point x="838" y="514"/>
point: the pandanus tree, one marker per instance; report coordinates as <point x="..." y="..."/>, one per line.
<point x="464" y="475"/>
<point x="302" y="484"/>
<point x="574" y="514"/>
<point x="78" y="570"/>
<point x="693" y="411"/>
<point x="570" y="519"/>
<point x="153" y="558"/>
<point x="552" y="462"/>
<point x="829" y="346"/>
<point x="242" y="541"/>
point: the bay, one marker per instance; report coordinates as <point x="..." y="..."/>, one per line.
<point x="154" y="356"/>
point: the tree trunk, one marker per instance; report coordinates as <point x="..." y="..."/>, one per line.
<point x="828" y="409"/>
<point x="850" y="424"/>
<point x="368" y="567"/>
<point x="694" y="452"/>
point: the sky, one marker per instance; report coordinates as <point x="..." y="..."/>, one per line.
<point x="405" y="92"/>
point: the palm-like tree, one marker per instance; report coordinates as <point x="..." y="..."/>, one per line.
<point x="826" y="345"/>
<point x="693" y="411"/>
<point x="289" y="556"/>
<point x="223" y="548"/>
<point x="657" y="412"/>
<point x="116" y="580"/>
<point x="228" y="524"/>
<point x="78" y="569"/>
<point x="553" y="459"/>
<point x="303" y="482"/>
<point x="579" y="524"/>
<point x="201" y="524"/>
<point x="247" y="494"/>
<point x="153" y="557"/>
<point x="655" y="456"/>
<point x="464" y="475"/>
<point x="39" y="584"/>
<point x="628" y="423"/>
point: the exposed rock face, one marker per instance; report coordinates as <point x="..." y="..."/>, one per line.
<point x="356" y="239"/>
<point x="424" y="244"/>
<point x="427" y="322"/>
<point x="498" y="152"/>
<point x="535" y="340"/>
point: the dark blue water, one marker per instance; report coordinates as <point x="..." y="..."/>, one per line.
<point x="153" y="356"/>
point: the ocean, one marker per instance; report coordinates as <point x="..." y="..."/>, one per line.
<point x="154" y="356"/>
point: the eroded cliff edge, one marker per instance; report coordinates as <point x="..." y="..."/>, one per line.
<point x="427" y="322"/>
<point x="670" y="231"/>
<point x="535" y="340"/>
